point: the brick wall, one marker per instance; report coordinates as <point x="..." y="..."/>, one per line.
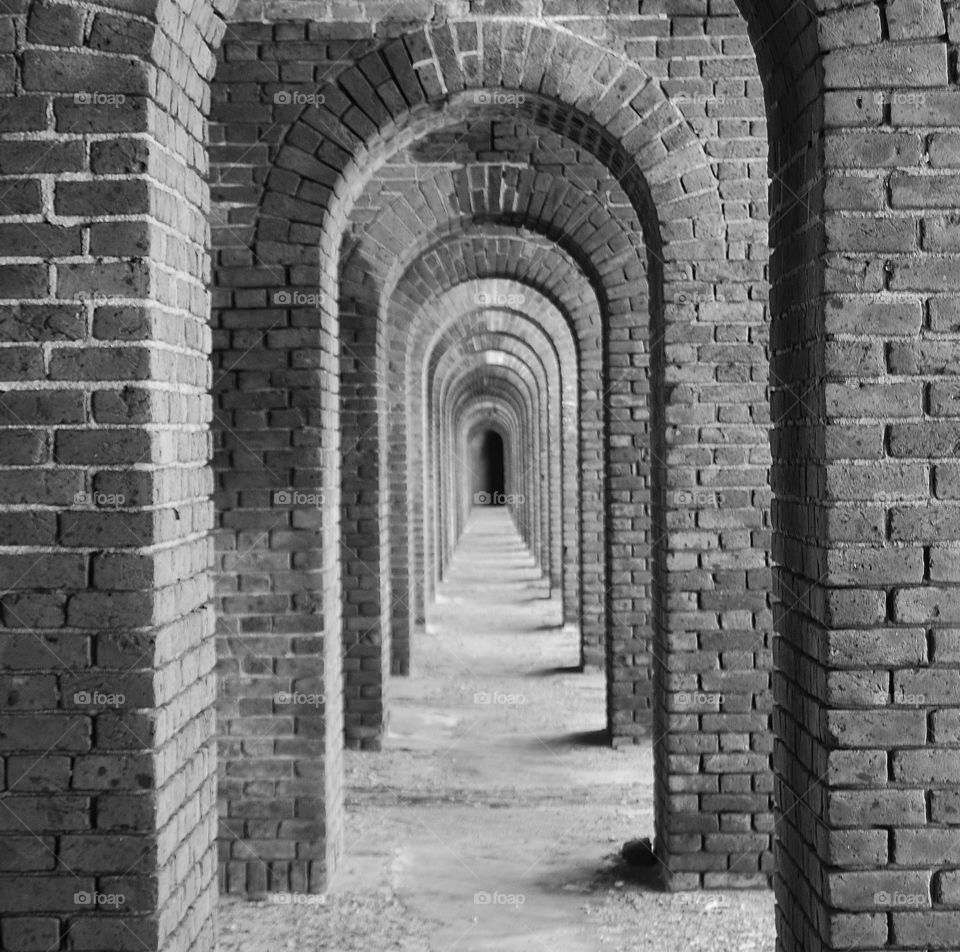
<point x="107" y="821"/>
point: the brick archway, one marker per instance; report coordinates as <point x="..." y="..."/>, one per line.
<point x="686" y="262"/>
<point x="555" y="376"/>
<point x="459" y="388"/>
<point x="435" y="286"/>
<point x="831" y="76"/>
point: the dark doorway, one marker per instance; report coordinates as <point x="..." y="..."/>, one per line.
<point x="489" y="487"/>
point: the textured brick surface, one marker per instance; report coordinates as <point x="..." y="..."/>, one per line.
<point x="456" y="171"/>
<point x="108" y="778"/>
<point x="382" y="191"/>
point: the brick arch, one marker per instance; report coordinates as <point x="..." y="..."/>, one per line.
<point x="542" y="332"/>
<point x="522" y="255"/>
<point x="693" y="243"/>
<point x="442" y="376"/>
<point x="459" y="297"/>
<point x="505" y="386"/>
<point x="446" y="266"/>
<point x="693" y="193"/>
<point x="313" y="204"/>
<point x="509" y="382"/>
<point x="484" y="412"/>
<point x="692" y="302"/>
<point x="547" y="274"/>
<point x="515" y="327"/>
<point x="367" y="355"/>
<point x="371" y="268"/>
<point x="686" y="192"/>
<point x="476" y="417"/>
<point x="323" y="145"/>
<point x="417" y="195"/>
<point x="490" y="411"/>
<point x="376" y="249"/>
<point x="366" y="717"/>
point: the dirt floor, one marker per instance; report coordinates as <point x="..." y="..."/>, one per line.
<point x="494" y="816"/>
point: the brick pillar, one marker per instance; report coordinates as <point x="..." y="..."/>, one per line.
<point x="865" y="381"/>
<point x="630" y="634"/>
<point x="365" y="525"/>
<point x="399" y="533"/>
<point x="278" y="501"/>
<point x="107" y="783"/>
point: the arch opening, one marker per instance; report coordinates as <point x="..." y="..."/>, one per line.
<point x="489" y="479"/>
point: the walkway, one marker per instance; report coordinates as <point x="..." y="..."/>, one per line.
<point x="494" y="786"/>
<point x="493" y="817"/>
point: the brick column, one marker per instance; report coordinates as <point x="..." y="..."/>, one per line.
<point x="106" y="648"/>
<point x="365" y="526"/>
<point x="630" y="632"/>
<point x="866" y="376"/>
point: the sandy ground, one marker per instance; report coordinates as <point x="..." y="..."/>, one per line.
<point x="493" y="818"/>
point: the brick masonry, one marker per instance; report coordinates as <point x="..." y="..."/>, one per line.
<point x="714" y="504"/>
<point x="107" y="810"/>
<point x="329" y="125"/>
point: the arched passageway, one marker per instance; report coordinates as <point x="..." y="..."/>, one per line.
<point x="489" y="482"/>
<point x="233" y="405"/>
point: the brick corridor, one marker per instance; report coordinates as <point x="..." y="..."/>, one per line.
<point x="268" y="268"/>
<point x="494" y="811"/>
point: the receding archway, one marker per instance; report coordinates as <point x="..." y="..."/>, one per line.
<point x="489" y="479"/>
